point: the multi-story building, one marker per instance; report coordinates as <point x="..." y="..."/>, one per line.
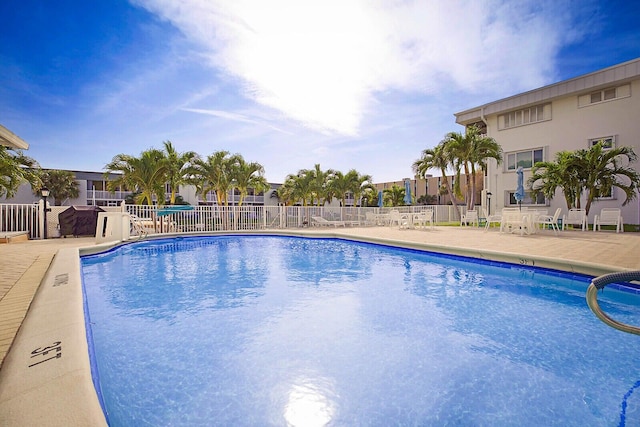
<point x="565" y="116"/>
<point x="93" y="191"/>
<point x="431" y="185"/>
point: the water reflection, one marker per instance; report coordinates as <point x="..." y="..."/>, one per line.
<point x="310" y="403"/>
<point x="326" y="261"/>
<point x="161" y="279"/>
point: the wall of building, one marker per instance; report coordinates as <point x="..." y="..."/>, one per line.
<point x="570" y="128"/>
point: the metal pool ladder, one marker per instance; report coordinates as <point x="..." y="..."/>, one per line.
<point x="592" y="298"/>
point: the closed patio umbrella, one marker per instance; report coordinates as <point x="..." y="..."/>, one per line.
<point x="519" y="195"/>
<point x="380" y="199"/>
<point x="407" y="192"/>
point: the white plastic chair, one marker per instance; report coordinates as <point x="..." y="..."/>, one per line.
<point x="608" y="216"/>
<point x="470" y="217"/>
<point x="575" y="217"/>
<point x="551" y="221"/>
<point x="513" y="219"/>
<point x="421" y="219"/>
<point x="492" y="219"/>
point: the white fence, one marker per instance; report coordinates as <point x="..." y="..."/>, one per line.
<point x="17" y="218"/>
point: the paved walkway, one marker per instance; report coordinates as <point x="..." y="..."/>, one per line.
<point x="23" y="265"/>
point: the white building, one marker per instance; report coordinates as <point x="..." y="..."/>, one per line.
<point x="565" y="116"/>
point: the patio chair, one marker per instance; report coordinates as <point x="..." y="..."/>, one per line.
<point x="470" y="217"/>
<point x="575" y="217"/>
<point x="319" y="222"/>
<point x="549" y="220"/>
<point x="492" y="219"/>
<point x="608" y="216"/>
<point x="515" y="220"/>
<point x="395" y="218"/>
<point x="421" y="219"/>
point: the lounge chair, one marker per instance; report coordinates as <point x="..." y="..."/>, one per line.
<point x="470" y="217"/>
<point x="319" y="222"/>
<point x="549" y="220"/>
<point x="608" y="216"/>
<point x="575" y="217"/>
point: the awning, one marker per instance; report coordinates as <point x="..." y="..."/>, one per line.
<point x="12" y="140"/>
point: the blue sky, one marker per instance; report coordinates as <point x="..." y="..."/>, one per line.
<point x="364" y="84"/>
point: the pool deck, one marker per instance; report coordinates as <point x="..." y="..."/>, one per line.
<point x="26" y="265"/>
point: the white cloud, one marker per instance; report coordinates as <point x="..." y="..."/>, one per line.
<point x="323" y="63"/>
<point x="234" y="117"/>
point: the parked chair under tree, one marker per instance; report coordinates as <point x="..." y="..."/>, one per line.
<point x="575" y="217"/>
<point x="550" y="221"/>
<point x="608" y="216"/>
<point x="469" y="218"/>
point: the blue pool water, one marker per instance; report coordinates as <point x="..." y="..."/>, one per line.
<point x="258" y="331"/>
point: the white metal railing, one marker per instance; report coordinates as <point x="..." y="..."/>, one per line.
<point x="20" y="217"/>
<point x="30" y="217"/>
<point x="233" y="199"/>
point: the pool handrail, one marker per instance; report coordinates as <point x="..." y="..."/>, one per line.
<point x="592" y="298"/>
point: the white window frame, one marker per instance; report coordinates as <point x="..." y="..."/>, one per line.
<point x="601" y="96"/>
<point x="525" y="116"/>
<point x="528" y="199"/>
<point x="507" y="167"/>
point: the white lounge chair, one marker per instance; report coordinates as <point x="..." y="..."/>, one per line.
<point x="608" y="216"/>
<point x="549" y="220"/>
<point x="575" y="217"/>
<point x="470" y="217"/>
<point x="320" y="222"/>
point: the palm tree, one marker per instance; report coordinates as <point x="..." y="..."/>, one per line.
<point x="339" y="185"/>
<point x="16" y="168"/>
<point x="482" y="149"/>
<point x="548" y="176"/>
<point x="594" y="171"/>
<point x="146" y="174"/>
<point x="248" y="175"/>
<point x="439" y="157"/>
<point x="177" y="166"/>
<point x="394" y="196"/>
<point x="603" y="169"/>
<point x="358" y="184"/>
<point x="319" y="185"/>
<point x="369" y="196"/>
<point x="294" y="190"/>
<point x="299" y="187"/>
<point x="213" y="174"/>
<point x="468" y="151"/>
<point x="61" y="184"/>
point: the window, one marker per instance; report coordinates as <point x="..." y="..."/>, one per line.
<point x="604" y="95"/>
<point x="528" y="199"/>
<point x="608" y="142"/>
<point x="526" y="116"/>
<point x="525" y="159"/>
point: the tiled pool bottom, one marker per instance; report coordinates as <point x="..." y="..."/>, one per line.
<point x="270" y="331"/>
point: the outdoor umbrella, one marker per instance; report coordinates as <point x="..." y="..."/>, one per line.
<point x="380" y="200"/>
<point x="519" y="195"/>
<point x="407" y="192"/>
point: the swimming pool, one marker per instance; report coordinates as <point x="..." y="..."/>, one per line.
<point x="255" y="330"/>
